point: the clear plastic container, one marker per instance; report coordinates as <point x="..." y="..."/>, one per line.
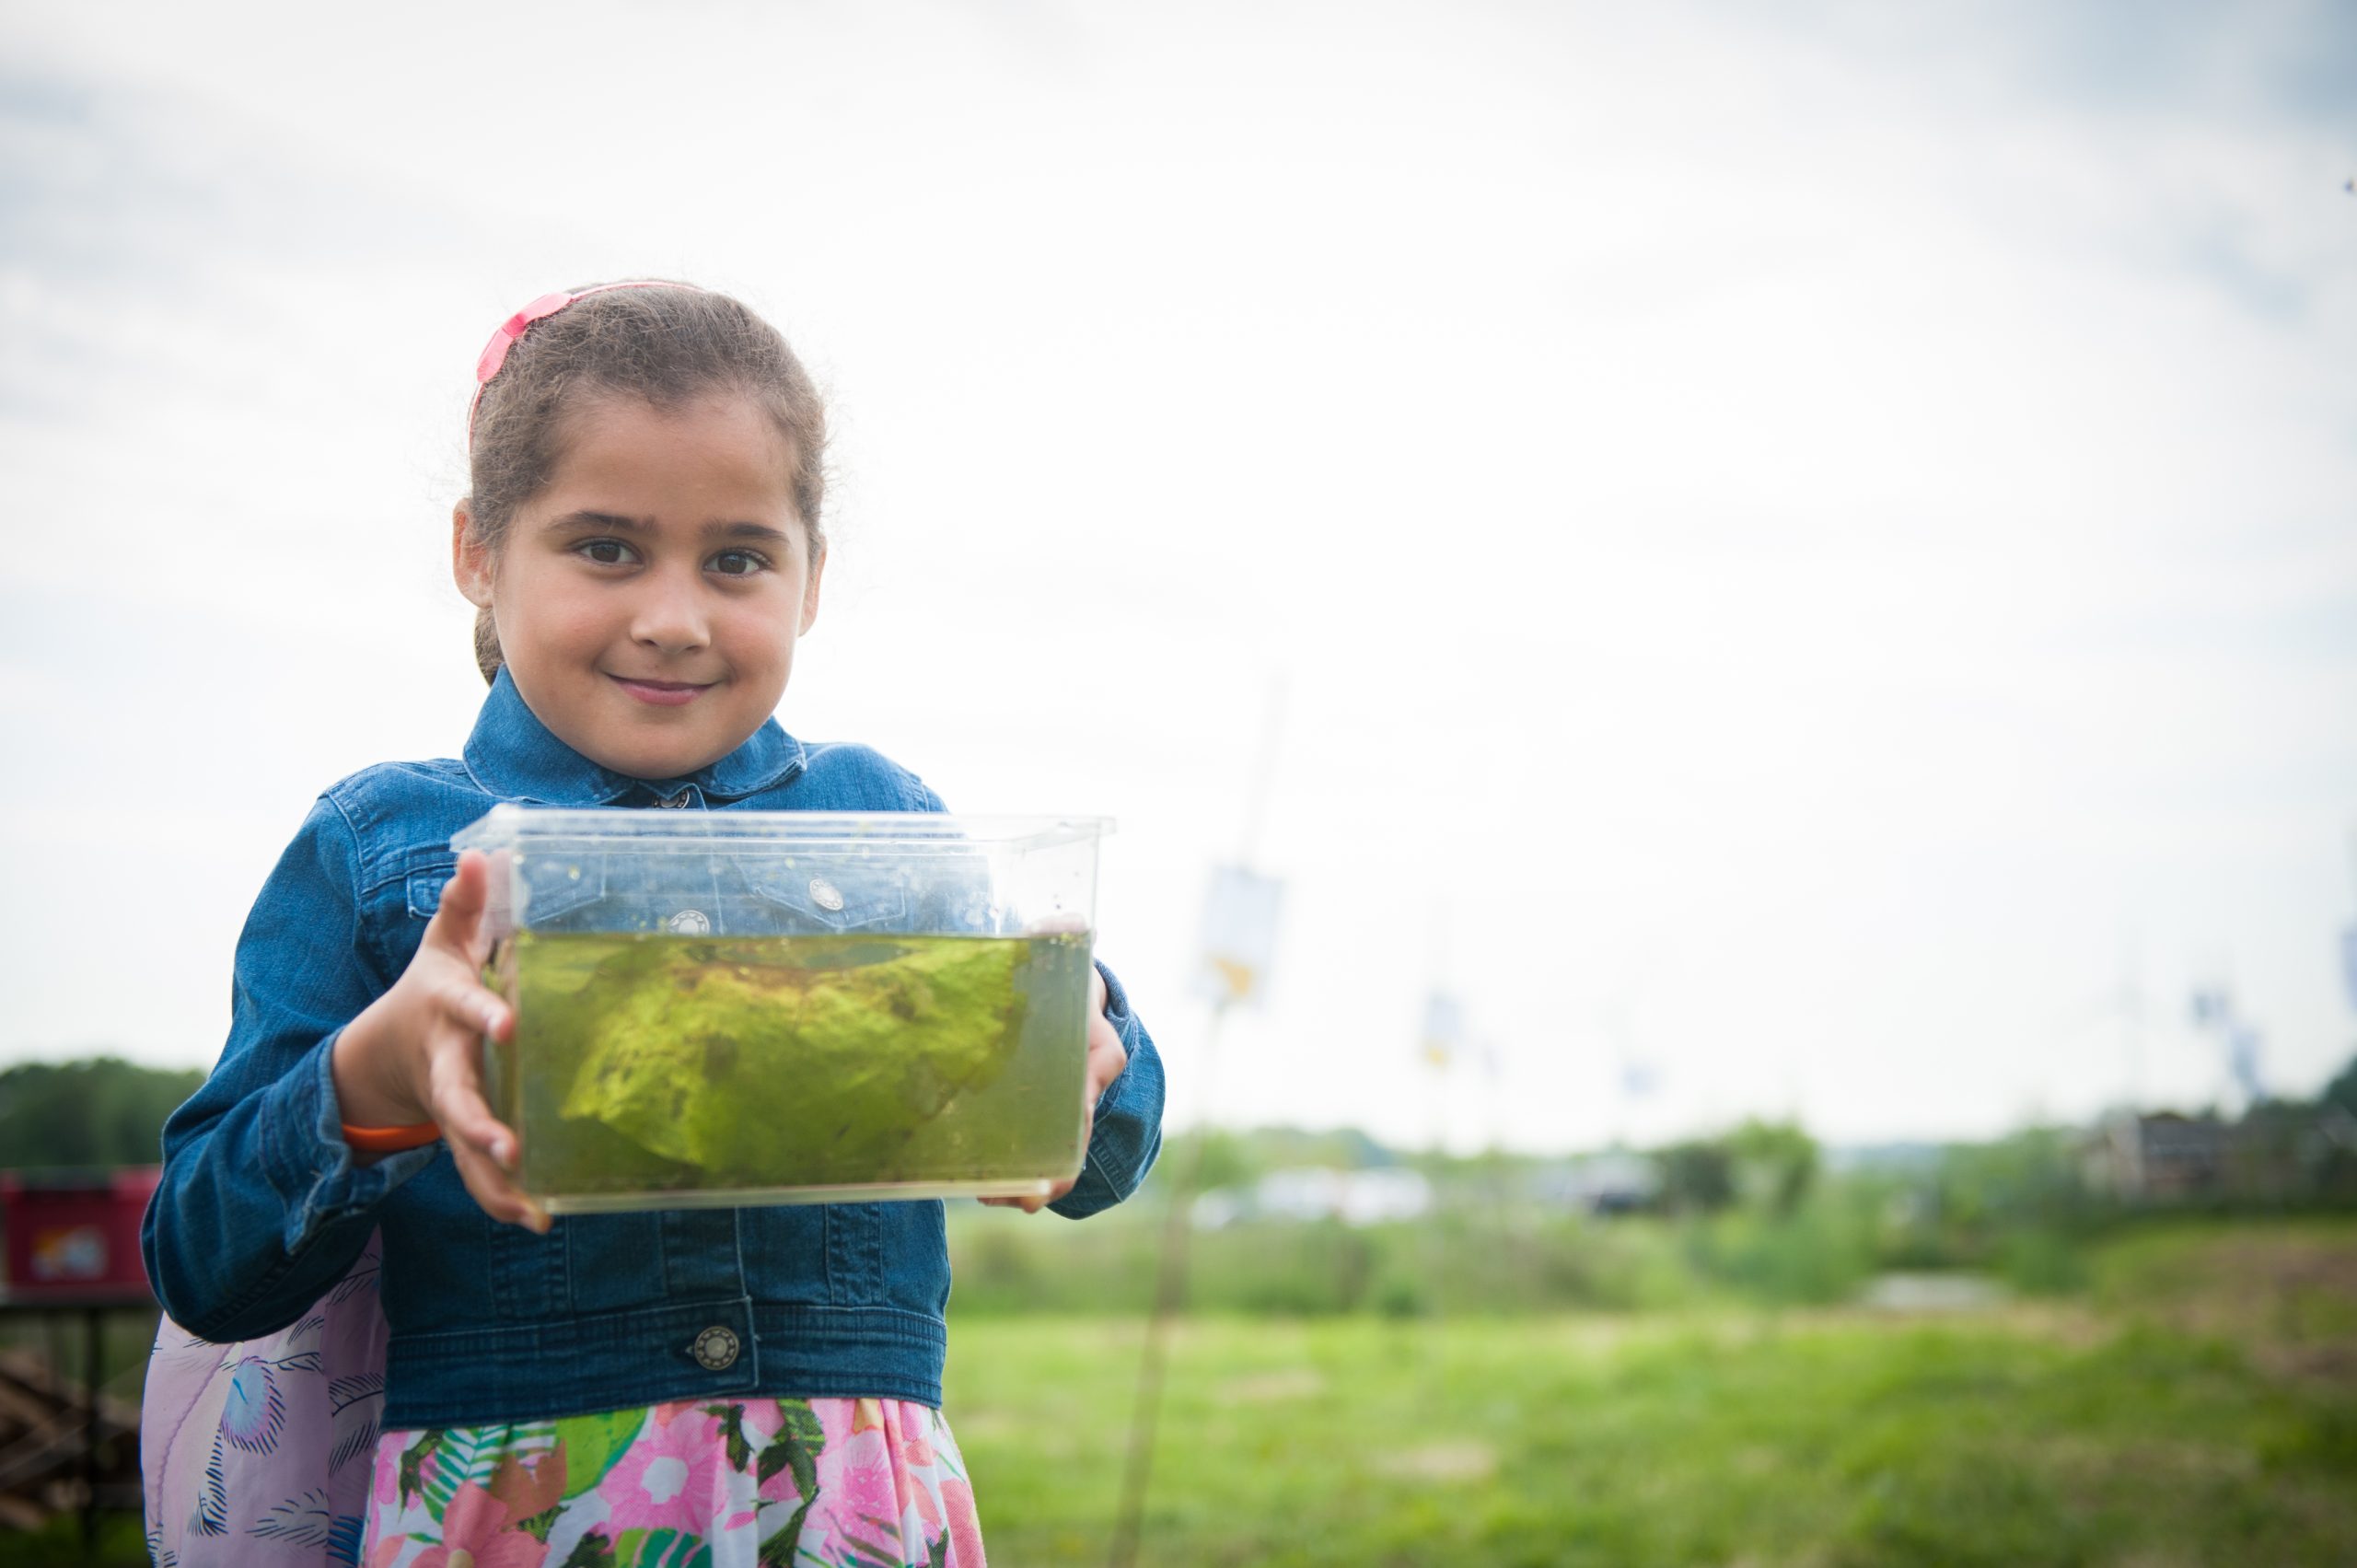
<point x="788" y="1006"/>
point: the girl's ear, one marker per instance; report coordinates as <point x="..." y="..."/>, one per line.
<point x="469" y="561"/>
<point x="810" y="592"/>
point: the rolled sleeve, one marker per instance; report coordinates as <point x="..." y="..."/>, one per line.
<point x="310" y="1164"/>
<point x="1127" y="1136"/>
<point x="261" y="1206"/>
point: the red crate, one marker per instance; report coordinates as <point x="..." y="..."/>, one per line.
<point x="75" y="1235"/>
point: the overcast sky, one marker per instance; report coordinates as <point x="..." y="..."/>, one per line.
<point x="1808" y="552"/>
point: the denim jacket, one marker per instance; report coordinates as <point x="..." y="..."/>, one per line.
<point x="262" y="1207"/>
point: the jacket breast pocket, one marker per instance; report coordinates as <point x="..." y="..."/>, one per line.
<point x="835" y="899"/>
<point x="548" y="896"/>
<point x="425" y="884"/>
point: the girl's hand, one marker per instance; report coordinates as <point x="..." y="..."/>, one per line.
<point x="417" y="1053"/>
<point x="1106" y="1060"/>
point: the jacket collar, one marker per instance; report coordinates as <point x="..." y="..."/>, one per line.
<point x="516" y="757"/>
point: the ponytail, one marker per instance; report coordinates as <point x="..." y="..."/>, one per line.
<point x="488" y="658"/>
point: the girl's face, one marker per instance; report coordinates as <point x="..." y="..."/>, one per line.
<point x="649" y="597"/>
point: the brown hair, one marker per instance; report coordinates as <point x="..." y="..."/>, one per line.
<point x="669" y="344"/>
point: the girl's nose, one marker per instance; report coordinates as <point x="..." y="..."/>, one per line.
<point x="670" y="614"/>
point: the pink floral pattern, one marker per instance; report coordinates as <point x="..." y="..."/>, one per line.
<point x="472" y="1536"/>
<point x="734" y="1484"/>
<point x="671" y="1478"/>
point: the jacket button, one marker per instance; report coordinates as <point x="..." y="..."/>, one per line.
<point x="715" y="1349"/>
<point x="823" y="894"/>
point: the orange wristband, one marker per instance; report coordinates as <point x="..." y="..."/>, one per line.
<point x="391" y="1140"/>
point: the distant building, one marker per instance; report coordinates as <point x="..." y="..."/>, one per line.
<point x="1354" y="1197"/>
<point x="2159" y="1157"/>
<point x="2275" y="1152"/>
<point x="1617" y="1182"/>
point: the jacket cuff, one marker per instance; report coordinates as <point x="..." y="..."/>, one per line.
<point x="306" y="1159"/>
<point x="1117" y="1008"/>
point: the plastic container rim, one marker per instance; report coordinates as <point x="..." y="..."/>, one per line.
<point x="505" y="826"/>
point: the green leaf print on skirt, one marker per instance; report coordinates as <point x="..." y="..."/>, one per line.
<point x="470" y="1456"/>
<point x="592" y="1444"/>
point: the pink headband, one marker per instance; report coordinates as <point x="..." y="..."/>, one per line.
<point x="494" y="353"/>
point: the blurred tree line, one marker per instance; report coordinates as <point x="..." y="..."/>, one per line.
<point x="102" y="1111"/>
<point x="1759" y="1212"/>
<point x="1770" y="1166"/>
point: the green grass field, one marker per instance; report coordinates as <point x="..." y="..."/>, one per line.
<point x="2198" y="1405"/>
<point x="2192" y="1401"/>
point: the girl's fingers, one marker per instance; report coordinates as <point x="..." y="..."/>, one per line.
<point x="1033" y="1205"/>
<point x="490" y="1187"/>
<point x="454" y="1073"/>
<point x="1087" y="1127"/>
<point x="453" y="1088"/>
<point x="457" y="920"/>
<point x="1105" y="1062"/>
<point x="1106" y="1058"/>
<point x="473" y="1005"/>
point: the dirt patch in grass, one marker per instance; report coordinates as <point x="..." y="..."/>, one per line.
<point x="2063" y="1323"/>
<point x="2084" y="1462"/>
<point x="2288" y="1296"/>
<point x="1272" y="1388"/>
<point x="1459" y="1460"/>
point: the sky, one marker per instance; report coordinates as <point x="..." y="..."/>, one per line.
<point x="1797" y="560"/>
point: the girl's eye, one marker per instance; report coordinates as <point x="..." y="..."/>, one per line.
<point x="738" y="562"/>
<point x="605" y="551"/>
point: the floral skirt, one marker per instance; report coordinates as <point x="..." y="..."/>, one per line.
<point x="756" y="1484"/>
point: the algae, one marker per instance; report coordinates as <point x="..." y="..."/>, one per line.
<point x="677" y="1063"/>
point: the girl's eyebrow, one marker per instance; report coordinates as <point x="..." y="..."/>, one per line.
<point x="607" y="520"/>
<point x="610" y="522"/>
<point x="760" y="531"/>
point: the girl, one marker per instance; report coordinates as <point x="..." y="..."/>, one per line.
<point x="642" y="540"/>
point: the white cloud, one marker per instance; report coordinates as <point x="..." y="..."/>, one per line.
<point x="1791" y="543"/>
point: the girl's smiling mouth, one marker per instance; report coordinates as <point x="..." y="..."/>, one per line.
<point x="663" y="693"/>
